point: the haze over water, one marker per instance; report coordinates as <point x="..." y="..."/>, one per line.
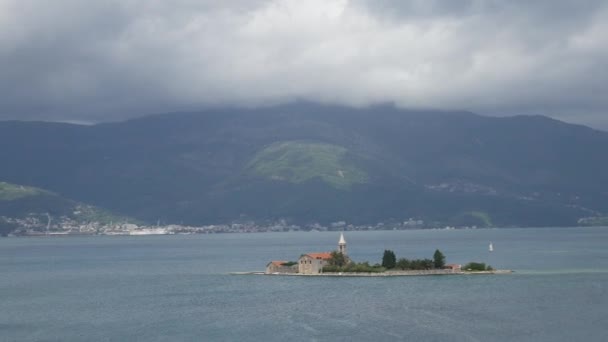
<point x="177" y="288"/>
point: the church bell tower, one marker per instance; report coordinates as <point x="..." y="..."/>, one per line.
<point x="342" y="244"/>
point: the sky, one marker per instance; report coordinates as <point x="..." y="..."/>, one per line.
<point x="108" y="60"/>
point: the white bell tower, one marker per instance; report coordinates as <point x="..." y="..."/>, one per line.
<point x="342" y="244"/>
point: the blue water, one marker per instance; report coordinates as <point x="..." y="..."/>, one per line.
<point x="177" y="288"/>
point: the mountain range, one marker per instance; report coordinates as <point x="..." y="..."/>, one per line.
<point x="306" y="162"/>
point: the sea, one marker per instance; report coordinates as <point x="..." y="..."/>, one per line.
<point x="179" y="288"/>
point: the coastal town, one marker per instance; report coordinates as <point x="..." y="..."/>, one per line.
<point x="37" y="225"/>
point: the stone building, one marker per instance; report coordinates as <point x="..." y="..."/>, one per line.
<point x="280" y="266"/>
<point x="453" y="267"/>
<point x="313" y="263"/>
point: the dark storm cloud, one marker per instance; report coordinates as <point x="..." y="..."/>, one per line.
<point x="107" y="60"/>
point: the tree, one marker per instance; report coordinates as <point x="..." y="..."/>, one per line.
<point x="427" y="264"/>
<point x="438" y="259"/>
<point x="403" y="264"/>
<point x="477" y="266"/>
<point x="337" y="259"/>
<point x="389" y="259"/>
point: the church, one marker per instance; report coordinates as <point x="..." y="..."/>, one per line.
<point x="313" y="263"/>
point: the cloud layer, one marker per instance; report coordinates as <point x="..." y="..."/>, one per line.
<point x="113" y="59"/>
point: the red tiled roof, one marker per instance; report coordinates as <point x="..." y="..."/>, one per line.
<point x="324" y="255"/>
<point x="277" y="262"/>
<point x="453" y="266"/>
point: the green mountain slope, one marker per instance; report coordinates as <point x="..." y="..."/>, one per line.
<point x="23" y="205"/>
<point x="11" y="192"/>
<point x="298" y="161"/>
<point x="313" y="163"/>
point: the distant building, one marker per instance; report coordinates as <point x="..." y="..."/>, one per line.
<point x="279" y="266"/>
<point x="313" y="263"/>
<point x="453" y="267"/>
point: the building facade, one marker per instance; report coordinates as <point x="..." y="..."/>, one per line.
<point x="313" y="263"/>
<point x="280" y="266"/>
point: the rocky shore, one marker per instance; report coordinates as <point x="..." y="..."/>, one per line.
<point x="381" y="274"/>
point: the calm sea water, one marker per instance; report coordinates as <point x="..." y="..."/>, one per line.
<point x="177" y="288"/>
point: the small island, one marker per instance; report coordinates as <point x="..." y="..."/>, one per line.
<point x="338" y="263"/>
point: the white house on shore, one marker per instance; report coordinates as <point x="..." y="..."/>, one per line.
<point x="313" y="263"/>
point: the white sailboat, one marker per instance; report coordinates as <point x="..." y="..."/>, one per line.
<point x="491" y="247"/>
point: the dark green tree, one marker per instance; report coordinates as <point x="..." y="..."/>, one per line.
<point x="476" y="266"/>
<point x="403" y="264"/>
<point x="389" y="260"/>
<point x="427" y="264"/>
<point x="438" y="259"/>
<point x="338" y="259"/>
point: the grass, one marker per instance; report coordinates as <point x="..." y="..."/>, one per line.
<point x="298" y="162"/>
<point x="50" y="202"/>
<point x="11" y="192"/>
<point x="484" y="217"/>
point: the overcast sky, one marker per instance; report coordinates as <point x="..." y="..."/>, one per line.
<point x="99" y="60"/>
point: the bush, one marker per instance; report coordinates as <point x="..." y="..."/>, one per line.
<point x="354" y="267"/>
<point x="415" y="264"/>
<point x="477" y="267"/>
<point x="403" y="264"/>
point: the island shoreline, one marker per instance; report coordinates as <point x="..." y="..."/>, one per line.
<point x="380" y="274"/>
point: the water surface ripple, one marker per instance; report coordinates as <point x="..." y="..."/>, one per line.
<point x="177" y="288"/>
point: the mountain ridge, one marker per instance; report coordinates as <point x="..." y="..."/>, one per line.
<point x="31" y="208"/>
<point x="433" y="165"/>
